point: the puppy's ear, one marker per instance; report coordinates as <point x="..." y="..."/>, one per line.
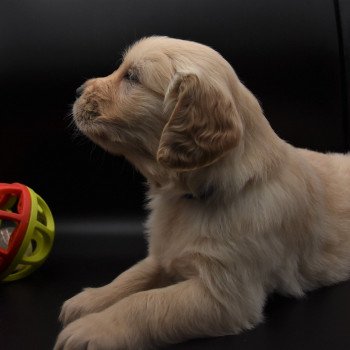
<point x="203" y="125"/>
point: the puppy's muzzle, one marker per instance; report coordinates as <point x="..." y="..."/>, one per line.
<point x="79" y="91"/>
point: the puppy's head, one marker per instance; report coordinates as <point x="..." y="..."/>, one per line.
<point x="170" y="101"/>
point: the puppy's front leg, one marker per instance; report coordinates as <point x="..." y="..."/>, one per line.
<point x="144" y="275"/>
<point x="152" y="318"/>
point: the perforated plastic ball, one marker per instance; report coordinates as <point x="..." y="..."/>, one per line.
<point x="27" y="231"/>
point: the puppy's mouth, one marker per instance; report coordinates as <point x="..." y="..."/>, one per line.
<point x="97" y="128"/>
<point x="87" y="121"/>
<point x="84" y="114"/>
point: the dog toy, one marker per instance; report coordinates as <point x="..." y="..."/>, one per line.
<point x="27" y="231"/>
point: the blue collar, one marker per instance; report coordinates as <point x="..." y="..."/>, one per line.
<point x="202" y="196"/>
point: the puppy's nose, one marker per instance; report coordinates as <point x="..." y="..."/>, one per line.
<point x="79" y="90"/>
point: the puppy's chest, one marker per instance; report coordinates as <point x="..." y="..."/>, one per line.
<point x="171" y="235"/>
<point x="173" y="228"/>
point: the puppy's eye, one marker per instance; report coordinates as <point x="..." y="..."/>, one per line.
<point x="131" y="76"/>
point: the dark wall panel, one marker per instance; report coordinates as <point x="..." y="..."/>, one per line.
<point x="343" y="19"/>
<point x="286" y="52"/>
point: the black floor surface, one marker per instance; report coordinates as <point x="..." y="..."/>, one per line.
<point x="29" y="308"/>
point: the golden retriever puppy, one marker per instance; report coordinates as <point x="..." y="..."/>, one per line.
<point x="235" y="212"/>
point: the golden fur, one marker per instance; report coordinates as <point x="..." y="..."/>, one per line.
<point x="235" y="212"/>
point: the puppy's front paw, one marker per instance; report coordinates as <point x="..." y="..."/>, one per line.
<point x="92" y="332"/>
<point x="80" y="305"/>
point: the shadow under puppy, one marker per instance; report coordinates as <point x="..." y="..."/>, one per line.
<point x="235" y="212"/>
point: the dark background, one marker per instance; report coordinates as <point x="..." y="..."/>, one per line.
<point x="293" y="54"/>
<point x="287" y="52"/>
